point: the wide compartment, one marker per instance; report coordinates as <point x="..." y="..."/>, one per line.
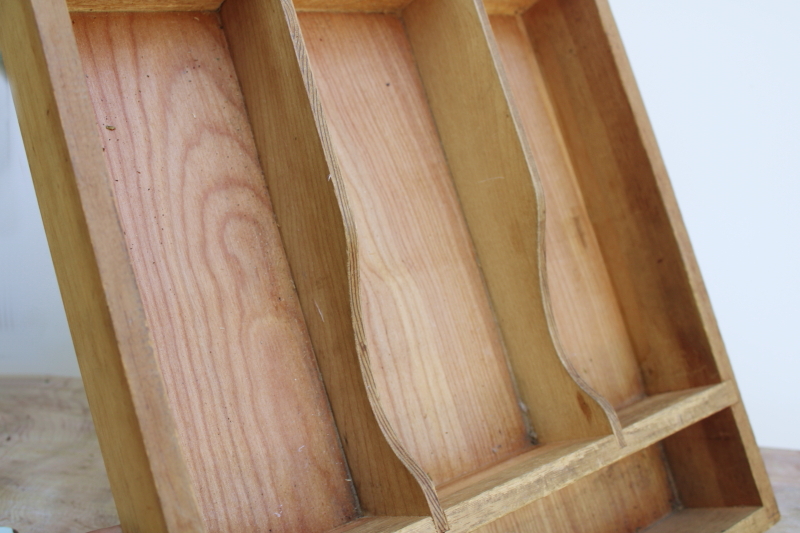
<point x="228" y="332"/>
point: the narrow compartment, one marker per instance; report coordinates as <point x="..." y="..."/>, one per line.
<point x="588" y="318"/>
<point x="709" y="464"/>
<point x="617" y="499"/>
<point x="252" y="419"/>
<point x="623" y="299"/>
<point x="426" y="314"/>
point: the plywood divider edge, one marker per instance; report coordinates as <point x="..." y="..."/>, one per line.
<point x="321" y="243"/>
<point x="505" y="222"/>
<point x="123" y="381"/>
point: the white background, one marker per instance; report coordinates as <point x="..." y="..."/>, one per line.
<point x="721" y="82"/>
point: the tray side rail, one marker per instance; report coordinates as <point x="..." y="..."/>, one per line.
<point x="101" y="298"/>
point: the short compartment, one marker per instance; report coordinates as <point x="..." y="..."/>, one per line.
<point x="629" y="497"/>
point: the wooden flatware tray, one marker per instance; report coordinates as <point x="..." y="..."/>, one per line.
<point x="313" y="286"/>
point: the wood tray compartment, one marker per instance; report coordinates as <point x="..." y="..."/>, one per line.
<point x="250" y="411"/>
<point x="301" y="248"/>
<point x="621" y="288"/>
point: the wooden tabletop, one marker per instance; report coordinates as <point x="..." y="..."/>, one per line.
<point x="52" y="478"/>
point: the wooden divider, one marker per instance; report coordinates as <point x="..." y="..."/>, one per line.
<point x="529" y="492"/>
<point x="585" y="308"/>
<point x="321" y="244"/>
<point x="427" y="320"/>
<point x="135" y="426"/>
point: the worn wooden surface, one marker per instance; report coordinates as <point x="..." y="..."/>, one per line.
<point x="622" y="497"/>
<point x="143" y="5"/>
<point x="56" y="481"/>
<point x="253" y="418"/>
<point x="627" y="201"/>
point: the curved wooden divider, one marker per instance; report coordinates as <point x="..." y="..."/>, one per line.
<point x="319" y="236"/>
<point x="500" y="193"/>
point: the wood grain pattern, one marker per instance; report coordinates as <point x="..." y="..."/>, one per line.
<point x="588" y="319"/>
<point x="143" y="5"/>
<point x="273" y="71"/>
<point x="228" y="330"/>
<point x="52" y="471"/>
<point x="352" y="6"/>
<point x="507" y="7"/>
<point x="617" y="499"/>
<point x="427" y="318"/>
<point x="493" y="172"/>
<point x="135" y="426"/>
<point x="197" y="408"/>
